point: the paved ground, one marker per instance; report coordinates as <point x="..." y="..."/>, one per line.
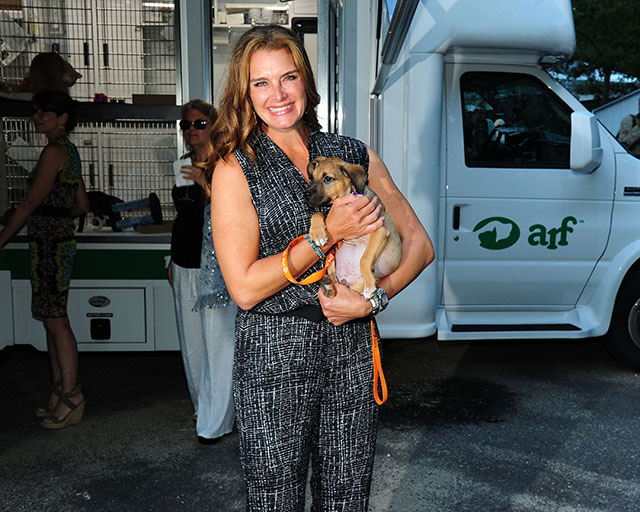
<point x="503" y="426"/>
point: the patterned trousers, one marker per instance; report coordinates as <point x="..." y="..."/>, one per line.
<point x="304" y="390"/>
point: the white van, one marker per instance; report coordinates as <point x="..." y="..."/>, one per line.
<point x="533" y="206"/>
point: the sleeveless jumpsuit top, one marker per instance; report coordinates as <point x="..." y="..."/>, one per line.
<point x="277" y="190"/>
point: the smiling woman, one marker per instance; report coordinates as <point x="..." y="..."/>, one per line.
<point x="276" y="90"/>
<point x="303" y="364"/>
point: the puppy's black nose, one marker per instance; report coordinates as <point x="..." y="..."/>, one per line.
<point x="307" y="195"/>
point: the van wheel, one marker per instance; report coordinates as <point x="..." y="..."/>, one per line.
<point x="623" y="339"/>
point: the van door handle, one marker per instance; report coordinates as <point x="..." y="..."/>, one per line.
<point x="456" y="217"/>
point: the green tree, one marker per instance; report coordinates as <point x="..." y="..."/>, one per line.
<point x="607" y="35"/>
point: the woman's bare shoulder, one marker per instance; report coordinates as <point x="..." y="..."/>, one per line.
<point x="53" y="149"/>
<point x="229" y="177"/>
<point x="228" y="165"/>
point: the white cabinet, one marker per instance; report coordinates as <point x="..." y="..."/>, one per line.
<point x="119" y="315"/>
<point x="109" y="315"/>
<point x="231" y="20"/>
<point x="246" y="14"/>
<point x="304" y="8"/>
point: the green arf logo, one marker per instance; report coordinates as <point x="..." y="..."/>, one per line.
<point x="551" y="238"/>
<point x="496" y="233"/>
<point x="500" y="233"/>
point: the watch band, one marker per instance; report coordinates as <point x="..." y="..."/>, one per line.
<point x="379" y="301"/>
<point x="375" y="304"/>
<point x="383" y="299"/>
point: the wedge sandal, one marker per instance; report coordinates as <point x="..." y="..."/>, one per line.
<point x="45" y="410"/>
<point x="73" y="417"/>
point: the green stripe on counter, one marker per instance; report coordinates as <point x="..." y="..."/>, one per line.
<point x="97" y="264"/>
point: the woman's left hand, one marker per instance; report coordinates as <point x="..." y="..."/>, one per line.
<point x="345" y="306"/>
<point x="193" y="173"/>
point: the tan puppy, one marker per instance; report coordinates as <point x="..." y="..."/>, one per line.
<point x="361" y="262"/>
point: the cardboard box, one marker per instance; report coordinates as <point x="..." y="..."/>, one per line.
<point x="236" y="18"/>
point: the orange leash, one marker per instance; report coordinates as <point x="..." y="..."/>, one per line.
<point x="377" y="369"/>
<point x="378" y="375"/>
<point x="316" y="276"/>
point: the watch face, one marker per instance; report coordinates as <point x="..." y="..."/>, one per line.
<point x="375" y="304"/>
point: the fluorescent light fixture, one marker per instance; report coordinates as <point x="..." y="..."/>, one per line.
<point x="159" y="5"/>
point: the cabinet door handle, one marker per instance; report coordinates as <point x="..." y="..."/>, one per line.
<point x="456" y="217"/>
<point x="86" y="53"/>
<point x="105" y="54"/>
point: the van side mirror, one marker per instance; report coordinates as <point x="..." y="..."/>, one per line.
<point x="586" y="151"/>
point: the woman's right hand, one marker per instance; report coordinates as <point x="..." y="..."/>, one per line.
<point x="353" y="216"/>
<point x="193" y="173"/>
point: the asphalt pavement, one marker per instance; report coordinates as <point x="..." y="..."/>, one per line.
<point x="483" y="426"/>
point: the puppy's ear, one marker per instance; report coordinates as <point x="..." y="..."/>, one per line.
<point x="357" y="176"/>
<point x="314" y="163"/>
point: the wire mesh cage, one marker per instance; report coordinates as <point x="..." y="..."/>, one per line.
<point x="120" y="47"/>
<point x="125" y="159"/>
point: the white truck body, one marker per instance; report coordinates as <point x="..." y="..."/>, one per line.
<point x="536" y="229"/>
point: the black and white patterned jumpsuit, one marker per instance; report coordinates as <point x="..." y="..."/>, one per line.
<point x="301" y="388"/>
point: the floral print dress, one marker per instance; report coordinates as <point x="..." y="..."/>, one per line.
<point x="52" y="243"/>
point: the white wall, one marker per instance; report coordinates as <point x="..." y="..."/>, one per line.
<point x="613" y="112"/>
<point x="356" y="75"/>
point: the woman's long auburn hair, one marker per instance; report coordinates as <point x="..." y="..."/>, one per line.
<point x="236" y="117"/>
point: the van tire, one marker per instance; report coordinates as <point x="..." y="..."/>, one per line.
<point x="623" y="339"/>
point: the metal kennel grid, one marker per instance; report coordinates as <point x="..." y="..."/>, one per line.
<point x="126" y="159"/>
<point x="136" y="159"/>
<point x="121" y="47"/>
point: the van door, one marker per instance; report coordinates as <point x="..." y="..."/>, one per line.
<point x="522" y="229"/>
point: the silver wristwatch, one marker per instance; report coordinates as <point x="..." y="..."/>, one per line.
<point x="379" y="301"/>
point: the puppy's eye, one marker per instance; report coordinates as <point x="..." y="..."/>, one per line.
<point x="327" y="179"/>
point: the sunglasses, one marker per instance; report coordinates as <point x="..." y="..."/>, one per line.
<point x="198" y="124"/>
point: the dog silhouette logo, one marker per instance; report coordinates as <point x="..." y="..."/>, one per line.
<point x="497" y="233"/>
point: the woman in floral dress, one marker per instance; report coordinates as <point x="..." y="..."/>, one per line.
<point x="56" y="194"/>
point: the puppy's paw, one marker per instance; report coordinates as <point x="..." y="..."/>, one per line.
<point x="326" y="285"/>
<point x="369" y="292"/>
<point x="317" y="230"/>
<point x="319" y="235"/>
